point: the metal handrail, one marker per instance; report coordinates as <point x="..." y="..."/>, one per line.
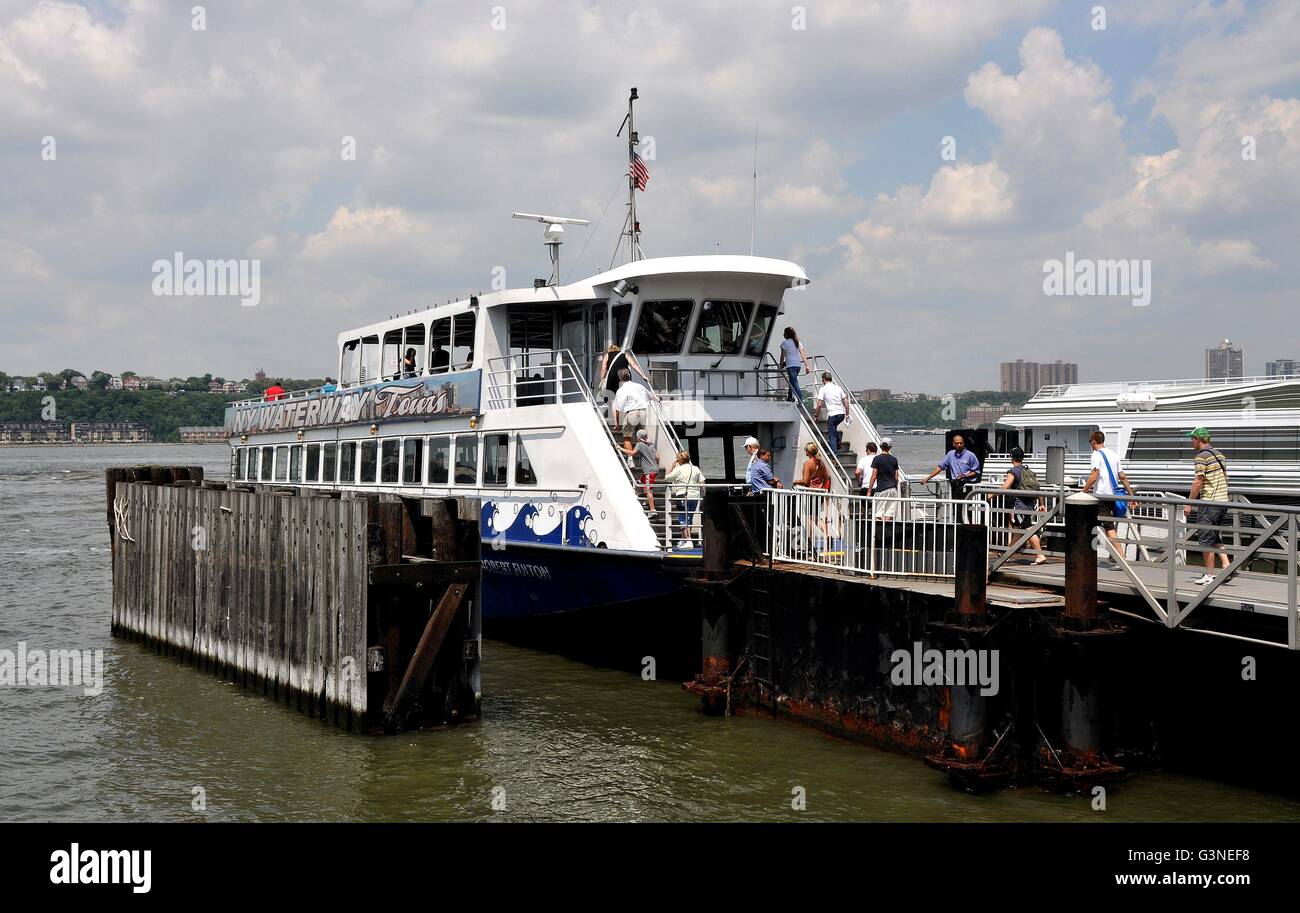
<point x="874" y="536"/>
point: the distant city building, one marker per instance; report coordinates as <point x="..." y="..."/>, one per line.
<point x="214" y="386"/>
<point x="115" y="383"/>
<point x="130" y="383"/>
<point x="986" y="414"/>
<point x="1224" y="362"/>
<point x="874" y="395"/>
<point x="1022" y="376"/>
<point x="33" y="433"/>
<point x="202" y="434"/>
<point x="259" y="376"/>
<point x="905" y="397"/>
<point x="110" y="432"/>
<point x="1282" y="367"/>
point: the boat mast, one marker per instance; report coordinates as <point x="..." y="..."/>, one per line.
<point x="633" y="227"/>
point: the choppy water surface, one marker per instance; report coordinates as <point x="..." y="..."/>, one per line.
<point x="559" y="740"/>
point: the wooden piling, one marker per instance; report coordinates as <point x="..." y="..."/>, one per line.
<point x="274" y="591"/>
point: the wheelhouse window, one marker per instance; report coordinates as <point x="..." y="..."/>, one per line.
<point x="721" y="328"/>
<point x="369" y="462"/>
<point x="390" y="461"/>
<point x="348" y="462"/>
<point x="622" y="317"/>
<point x="661" y="328"/>
<point x="439" y="460"/>
<point x="392" y="354"/>
<point x="495" y="459"/>
<point x="329" y="462"/>
<point x="758" y="333"/>
<point x="524" y="474"/>
<point x="313" y="462"/>
<point x="462" y="344"/>
<point x="413" y="461"/>
<point x="350" y="364"/>
<point x="466" y="459"/>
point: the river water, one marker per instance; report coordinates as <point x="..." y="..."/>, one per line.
<point x="559" y="740"/>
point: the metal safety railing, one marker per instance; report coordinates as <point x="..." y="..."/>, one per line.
<point x="673" y="382"/>
<point x="913" y="537"/>
<point x="534" y="379"/>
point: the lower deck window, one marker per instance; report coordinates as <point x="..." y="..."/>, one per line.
<point x="282" y="464"/>
<point x="313" y="462"/>
<point x="389" y="462"/>
<point x="348" y="463"/>
<point x="467" y="459"/>
<point x="268" y="464"/>
<point x="495" y="458"/>
<point x="295" y="463"/>
<point x="250" y="469"/>
<point x="369" y="461"/>
<point x="328" y="462"/>
<point x="237" y="465"/>
<point x="412" y="461"/>
<point x="439" y="460"/>
<point x="524" y="474"/>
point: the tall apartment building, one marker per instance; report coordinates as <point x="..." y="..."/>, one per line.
<point x="1022" y="376"/>
<point x="1282" y="367"/>
<point x="1224" y="362"/>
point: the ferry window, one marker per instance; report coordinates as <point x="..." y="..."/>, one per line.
<point x="462" y="348"/>
<point x="495" y="459"/>
<point x="389" y="462"/>
<point x="414" y="339"/>
<point x="758" y="332"/>
<point x="348" y="462"/>
<point x="237" y="466"/>
<point x="282" y="464"/>
<point x="392" y="354"/>
<point x="268" y="464"/>
<point x="661" y="329"/>
<point x="721" y="328"/>
<point x="295" y="463"/>
<point x="251" y="473"/>
<point x="329" y="454"/>
<point x="440" y="346"/>
<point x="412" y="460"/>
<point x="439" y="460"/>
<point x="369" y="359"/>
<point x="524" y="474"/>
<point x="313" y="462"/>
<point x="368" y="461"/>
<point x="350" y="366"/>
<point x="467" y="459"/>
<point x="622" y="317"/>
<point x="531" y="329"/>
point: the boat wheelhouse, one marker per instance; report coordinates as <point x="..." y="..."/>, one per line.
<point x="1255" y="422"/>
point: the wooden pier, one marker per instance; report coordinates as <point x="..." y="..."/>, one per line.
<point x="359" y="611"/>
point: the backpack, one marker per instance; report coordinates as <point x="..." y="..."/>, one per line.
<point x="1029" y="481"/>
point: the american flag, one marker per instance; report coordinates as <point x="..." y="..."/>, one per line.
<point x="639" y="172"/>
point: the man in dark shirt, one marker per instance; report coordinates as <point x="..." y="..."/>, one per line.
<point x="884" y="481"/>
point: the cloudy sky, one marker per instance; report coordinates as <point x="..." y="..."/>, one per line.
<point x="1127" y="141"/>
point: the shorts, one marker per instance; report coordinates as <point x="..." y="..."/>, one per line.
<point x="1106" y="513"/>
<point x="1210" y="516"/>
<point x="633" y="420"/>
<point x="647" y="480"/>
<point x="1022" y="517"/>
<point x="887" y="502"/>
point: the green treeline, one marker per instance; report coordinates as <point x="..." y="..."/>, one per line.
<point x="928" y="412"/>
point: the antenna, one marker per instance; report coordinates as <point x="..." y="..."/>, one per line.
<point x="753" y="214"/>
<point x="554" y="236"/>
<point x="633" y="140"/>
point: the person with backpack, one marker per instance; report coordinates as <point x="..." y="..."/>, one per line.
<point x="1211" y="487"/>
<point x="1107" y="478"/>
<point x="1021" y="478"/>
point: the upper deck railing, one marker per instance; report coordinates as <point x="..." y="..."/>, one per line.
<point x="1105" y="388"/>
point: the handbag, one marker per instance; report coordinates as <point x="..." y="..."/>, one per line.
<point x="1121" y="507"/>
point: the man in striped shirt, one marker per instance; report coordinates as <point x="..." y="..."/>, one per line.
<point x="1210" y="486"/>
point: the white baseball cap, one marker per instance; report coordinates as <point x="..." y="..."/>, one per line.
<point x="886" y="442"/>
<point x="751" y="442"/>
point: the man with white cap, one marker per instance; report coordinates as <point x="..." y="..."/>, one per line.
<point x="751" y="448"/>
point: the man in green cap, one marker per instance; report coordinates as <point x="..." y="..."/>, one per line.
<point x="1211" y="486"/>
